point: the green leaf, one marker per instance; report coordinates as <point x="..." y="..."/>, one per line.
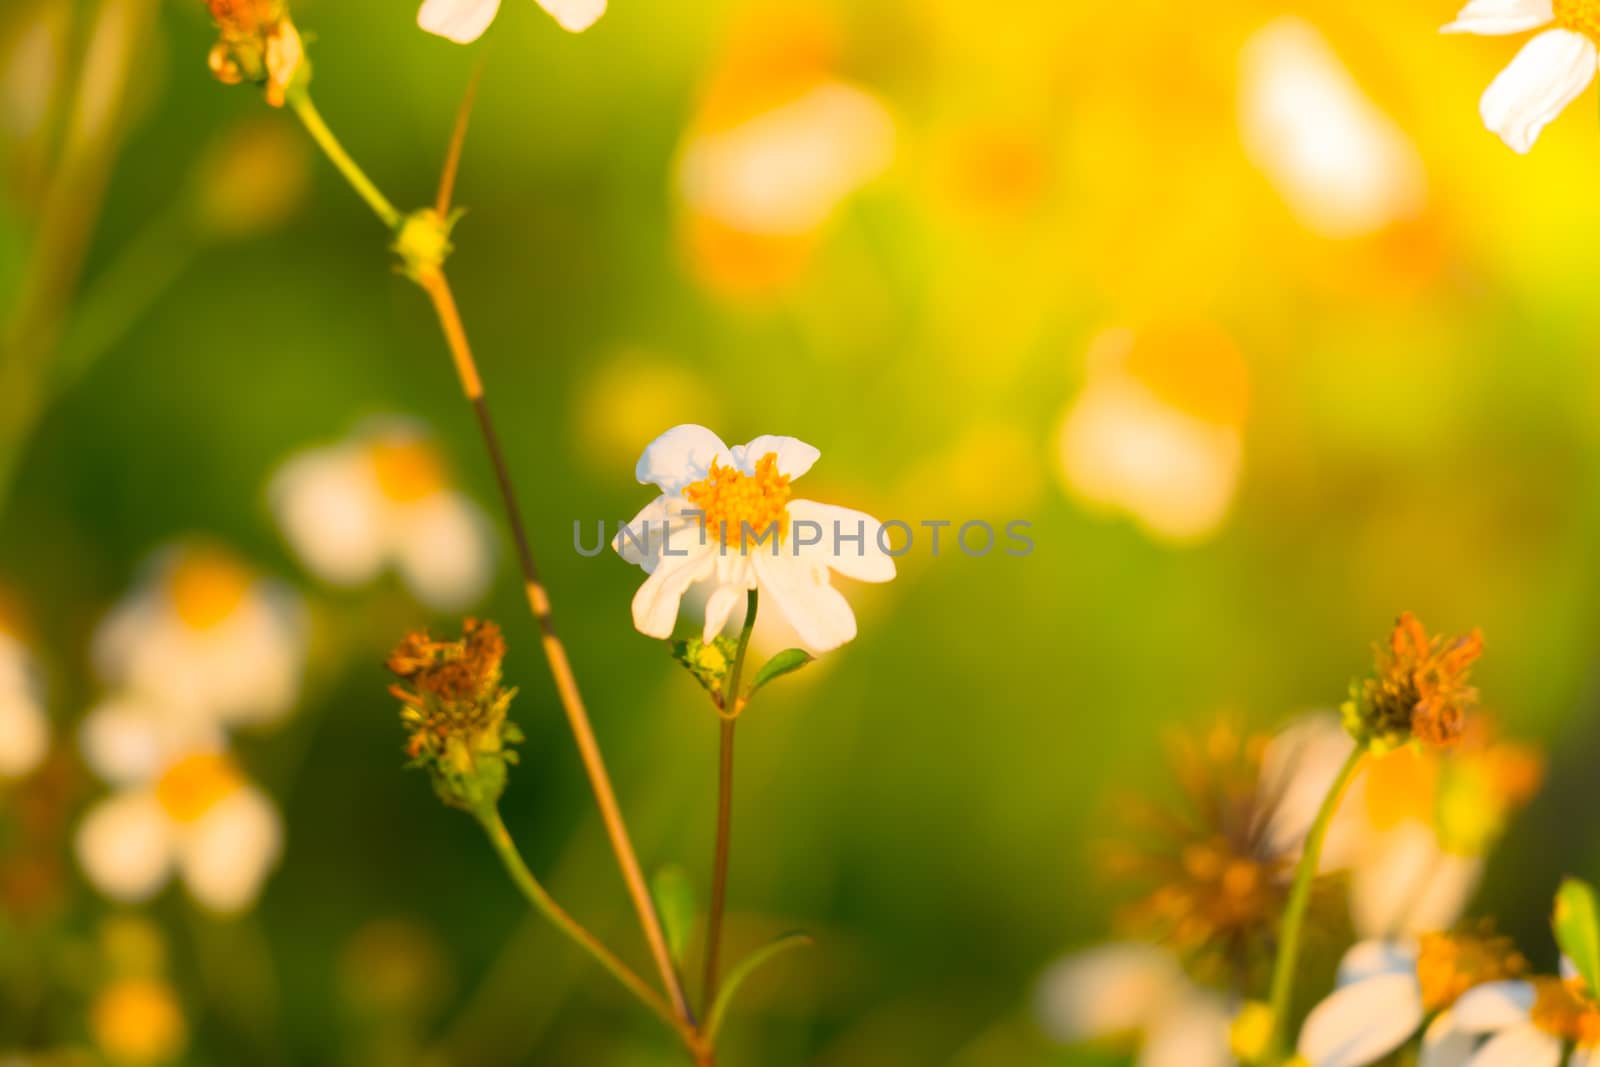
<point x="786" y="662"/>
<point x="743" y="970"/>
<point x="708" y="661"/>
<point x="674" y="896"/>
<point x="1576" y="923"/>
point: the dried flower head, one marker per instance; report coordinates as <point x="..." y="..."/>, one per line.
<point x="1450" y="964"/>
<point x="1216" y="867"/>
<point x="257" y="43"/>
<point x="1420" y="690"/>
<point x="454" y="710"/>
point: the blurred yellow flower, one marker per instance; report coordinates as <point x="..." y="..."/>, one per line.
<point x="381" y="498"/>
<point x="1158" y="429"/>
<point x="778" y="144"/>
<point x="725" y="519"/>
<point x="464" y="21"/>
<point x="24" y="723"/>
<point x="205" y="636"/>
<point x="138" y="1022"/>
<point x="252" y="178"/>
<point x="179" y="801"/>
<point x="1343" y="167"/>
<point x="1550" y="72"/>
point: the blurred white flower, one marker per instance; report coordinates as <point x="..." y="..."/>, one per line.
<point x="1520" y="1024"/>
<point x="1550" y="72"/>
<point x="1158" y="430"/>
<point x="179" y="802"/>
<point x="1134" y="989"/>
<point x="383" y="498"/>
<point x="725" y="518"/>
<point x="205" y="636"/>
<point x="24" y="723"/>
<point x="1343" y="166"/>
<point x="1387" y="989"/>
<point x="464" y="21"/>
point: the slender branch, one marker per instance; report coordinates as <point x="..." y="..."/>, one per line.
<point x="312" y="120"/>
<point x="541" y="899"/>
<point x="719" y="865"/>
<point x="1294" y="916"/>
<point x="458" y="140"/>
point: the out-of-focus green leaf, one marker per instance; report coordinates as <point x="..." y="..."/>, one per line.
<point x="1577" y="929"/>
<point x="743" y="970"/>
<point x="674" y="895"/>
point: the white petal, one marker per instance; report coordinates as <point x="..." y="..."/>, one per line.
<point x="1371" y="958"/>
<point x="124" y="845"/>
<point x="1405" y="884"/>
<point x="1360" y="1024"/>
<point x="1581" y="1057"/>
<point x="795" y="457"/>
<point x="681" y="457"/>
<point x="655" y="605"/>
<point x="1104" y="991"/>
<point x="1445" y="1045"/>
<point x="660" y="525"/>
<point x="1191" y="1033"/>
<point x="800" y="591"/>
<point x="1492" y="17"/>
<point x="227" y="854"/>
<point x="574" y="15"/>
<point x="1524" y="1046"/>
<point x="1298" y="767"/>
<point x="719" y="606"/>
<point x="864" y="560"/>
<point x="329" y="510"/>
<point x="442" y="550"/>
<point x="1442" y="900"/>
<point x="1546" y="76"/>
<point x="463" y="21"/>
<point x="125" y="741"/>
<point x="1493" y="1006"/>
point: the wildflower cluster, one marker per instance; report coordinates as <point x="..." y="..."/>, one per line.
<point x="454" y="711"/>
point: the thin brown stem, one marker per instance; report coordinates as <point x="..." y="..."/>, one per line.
<point x="458" y="140"/>
<point x="719" y="868"/>
<point x="438" y="289"/>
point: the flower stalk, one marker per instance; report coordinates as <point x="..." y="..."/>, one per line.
<point x="730" y="705"/>
<point x="1294" y="917"/>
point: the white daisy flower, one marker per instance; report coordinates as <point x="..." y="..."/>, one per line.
<point x="1521" y="1024"/>
<point x="1158" y="430"/>
<point x="725" y="518"/>
<point x="24" y="723"/>
<point x="383" y="498"/>
<point x="1550" y="72"/>
<point x="1134" y="990"/>
<point x="179" y="803"/>
<point x="1387" y="990"/>
<point x="464" y="21"/>
<point x="205" y="636"/>
<point x="1344" y="168"/>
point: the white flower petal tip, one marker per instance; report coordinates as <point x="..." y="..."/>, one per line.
<point x="1521" y="1046"/>
<point x="1493" y="18"/>
<point x="1493" y="1006"/>
<point x="1360" y="1024"/>
<point x="575" y="16"/>
<point x="680" y="457"/>
<point x="1103" y="991"/>
<point x="795" y="457"/>
<point x="1550" y="72"/>
<point x="462" y="21"/>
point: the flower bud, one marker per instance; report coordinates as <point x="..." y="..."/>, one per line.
<point x="258" y="43"/>
<point x="423" y="243"/>
<point x="454" y="711"/>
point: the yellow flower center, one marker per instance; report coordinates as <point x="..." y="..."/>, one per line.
<point x="407" y="469"/>
<point x="207" y="586"/>
<point x="1579" y="16"/>
<point x="731" y="500"/>
<point x="195" y="784"/>
<point x="1450" y="964"/>
<point x="1563" y="1008"/>
<point x="137" y="1021"/>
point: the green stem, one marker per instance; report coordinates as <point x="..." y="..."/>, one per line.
<point x="364" y="187"/>
<point x="719" y="865"/>
<point x="541" y="899"/>
<point x="1294" y="917"/>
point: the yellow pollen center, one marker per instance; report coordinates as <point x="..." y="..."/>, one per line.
<point x="1565" y="1010"/>
<point x="407" y="469"/>
<point x="195" y="784"/>
<point x="731" y="500"/>
<point x="137" y="1021"/>
<point x="1450" y="964"/>
<point x="1579" y="16"/>
<point x="207" y="586"/>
